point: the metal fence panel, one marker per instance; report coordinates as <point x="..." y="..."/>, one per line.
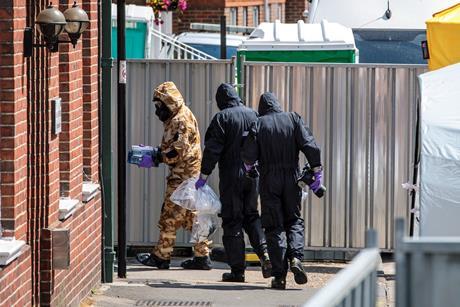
<point x="197" y="81"/>
<point x="356" y="284"/>
<point x="363" y="117"/>
<point x="427" y="270"/>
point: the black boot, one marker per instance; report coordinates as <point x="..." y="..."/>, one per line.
<point x="266" y="265"/>
<point x="300" y="276"/>
<point x="197" y="263"/>
<point x="233" y="277"/>
<point x="279" y="283"/>
<point x="153" y="260"/>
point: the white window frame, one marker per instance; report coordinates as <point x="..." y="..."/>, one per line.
<point x="233" y="16"/>
<point x="255" y="16"/>
<point x="245" y="16"/>
<point x="280" y="12"/>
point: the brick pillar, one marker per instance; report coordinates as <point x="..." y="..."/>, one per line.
<point x="90" y="94"/>
<point x="70" y="139"/>
<point x="294" y="10"/>
<point x="46" y="267"/>
<point x="13" y="120"/>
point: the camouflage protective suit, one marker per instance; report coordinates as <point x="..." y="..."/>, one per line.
<point x="181" y="151"/>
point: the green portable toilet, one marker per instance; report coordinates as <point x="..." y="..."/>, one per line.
<point x="323" y="42"/>
<point x="139" y="22"/>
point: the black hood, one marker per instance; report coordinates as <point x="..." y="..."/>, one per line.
<point x="268" y="104"/>
<point x="227" y="97"/>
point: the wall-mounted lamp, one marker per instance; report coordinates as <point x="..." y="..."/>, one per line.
<point x="51" y="23"/>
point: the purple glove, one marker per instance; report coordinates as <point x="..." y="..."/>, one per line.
<point x="200" y="183"/>
<point x="146" y="162"/>
<point x="317" y="183"/>
<point x="248" y="167"/>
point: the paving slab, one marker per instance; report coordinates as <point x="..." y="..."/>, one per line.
<point x="177" y="287"/>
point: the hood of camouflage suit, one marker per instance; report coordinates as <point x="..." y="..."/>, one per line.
<point x="168" y="93"/>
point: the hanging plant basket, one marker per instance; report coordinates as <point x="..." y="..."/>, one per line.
<point x="166" y="6"/>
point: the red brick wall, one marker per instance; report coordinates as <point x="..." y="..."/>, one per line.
<point x="209" y="11"/>
<point x="182" y="21"/>
<point x="294" y="10"/>
<point x="91" y="94"/>
<point x="13" y="120"/>
<point x="15" y="279"/>
<point x="68" y="287"/>
<point x="71" y="137"/>
<point x="15" y="282"/>
<point x="35" y="162"/>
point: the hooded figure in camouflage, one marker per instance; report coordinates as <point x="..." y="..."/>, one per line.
<point x="180" y="150"/>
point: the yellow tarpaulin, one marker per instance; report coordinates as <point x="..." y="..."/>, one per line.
<point x="443" y="35"/>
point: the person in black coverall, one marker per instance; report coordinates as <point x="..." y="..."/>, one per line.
<point x="275" y="141"/>
<point x="238" y="185"/>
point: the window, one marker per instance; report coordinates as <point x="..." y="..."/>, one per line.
<point x="280" y="17"/>
<point x="255" y="16"/>
<point x="245" y="16"/>
<point x="233" y="16"/>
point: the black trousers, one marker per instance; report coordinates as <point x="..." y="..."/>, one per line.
<point x="238" y="195"/>
<point x="281" y="217"/>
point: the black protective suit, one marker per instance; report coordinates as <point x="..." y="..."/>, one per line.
<point x="238" y="193"/>
<point x="275" y="141"/>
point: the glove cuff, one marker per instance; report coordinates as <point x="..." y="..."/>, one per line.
<point x="317" y="169"/>
<point x="203" y="177"/>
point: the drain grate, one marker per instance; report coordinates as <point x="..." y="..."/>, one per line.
<point x="173" y="303"/>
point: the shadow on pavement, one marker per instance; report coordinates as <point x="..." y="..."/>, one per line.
<point x="387" y="276"/>
<point x="222" y="287"/>
<point x="322" y="269"/>
<point x="142" y="269"/>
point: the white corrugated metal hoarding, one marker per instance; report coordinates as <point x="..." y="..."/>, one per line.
<point x="197" y="81"/>
<point x="363" y="117"/>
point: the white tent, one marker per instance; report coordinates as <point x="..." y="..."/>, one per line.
<point x="370" y="14"/>
<point x="440" y="152"/>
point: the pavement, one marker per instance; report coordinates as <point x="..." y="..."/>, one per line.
<point x="386" y="280"/>
<point x="146" y="286"/>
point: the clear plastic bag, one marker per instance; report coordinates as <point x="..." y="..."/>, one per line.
<point x="203" y="200"/>
<point x="203" y="227"/>
<point x="304" y="194"/>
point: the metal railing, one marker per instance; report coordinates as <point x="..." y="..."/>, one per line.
<point x="216" y="28"/>
<point x="427" y="270"/>
<point x="173" y="49"/>
<point x="356" y="284"/>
